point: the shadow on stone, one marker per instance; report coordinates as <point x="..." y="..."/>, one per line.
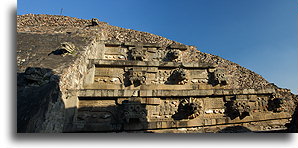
<point x="124" y="116"/>
<point x="292" y="126"/>
<point x="38" y="96"/>
<point x="235" y="129"/>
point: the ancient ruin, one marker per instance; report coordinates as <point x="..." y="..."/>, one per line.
<point x="77" y="75"/>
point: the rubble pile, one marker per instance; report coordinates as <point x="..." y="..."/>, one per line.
<point x="50" y="20"/>
<point x="129" y="35"/>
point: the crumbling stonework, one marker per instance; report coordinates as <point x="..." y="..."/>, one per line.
<point x="78" y="75"/>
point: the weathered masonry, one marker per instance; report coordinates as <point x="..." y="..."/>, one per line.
<point x="135" y="86"/>
<point x="78" y="75"/>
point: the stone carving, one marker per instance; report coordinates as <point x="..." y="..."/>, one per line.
<point x="215" y="111"/>
<point x="220" y="77"/>
<point x="95" y="22"/>
<point x="109" y="75"/>
<point x="239" y="108"/>
<point x="189" y="108"/>
<point x="242" y="106"/>
<point x="133" y="110"/>
<point x="162" y="76"/>
<point x="96" y="90"/>
<point x="245" y="105"/>
<point x="160" y="55"/>
<point x="138" y="53"/>
<point x="277" y="104"/>
<point x="100" y="111"/>
<point x="137" y="77"/>
<point x="261" y="104"/>
<point x="178" y="76"/>
<point x="167" y="108"/>
<point x="65" y="48"/>
<point x="173" y="55"/>
<point x="114" y="57"/>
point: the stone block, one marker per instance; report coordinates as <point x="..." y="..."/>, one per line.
<point x="149" y="93"/>
<point x="151" y="49"/>
<point x="135" y="93"/>
<point x="104" y="93"/>
<point x="126" y="93"/>
<point x="218" y="92"/>
<point x="152" y="125"/>
<point x="89" y="77"/>
<point x="116" y="93"/>
<point x="159" y="124"/>
<point x="153" y="101"/>
<point x="176" y="46"/>
<point x="97" y="93"/>
<point x="213" y="121"/>
<point x="112" y="43"/>
<point x="207" y="122"/>
<point x="110" y="93"/>
<point x="220" y="121"/>
<point x="143" y="93"/>
<point x="90" y="93"/>
<point x="82" y="93"/>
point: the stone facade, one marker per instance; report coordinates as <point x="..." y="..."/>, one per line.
<point x="111" y="79"/>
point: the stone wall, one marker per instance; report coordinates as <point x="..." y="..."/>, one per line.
<point x="242" y="77"/>
<point x="43" y="87"/>
<point x="73" y="77"/>
<point x="47" y="97"/>
<point x="39" y="107"/>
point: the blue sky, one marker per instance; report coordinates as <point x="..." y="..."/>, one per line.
<point x="260" y="35"/>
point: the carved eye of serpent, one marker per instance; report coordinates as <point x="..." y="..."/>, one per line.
<point x="138" y="108"/>
<point x="139" y="74"/>
<point x="126" y="113"/>
<point x="131" y="108"/>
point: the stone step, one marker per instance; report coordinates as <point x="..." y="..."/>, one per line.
<point x="170" y="93"/>
<point x="101" y="62"/>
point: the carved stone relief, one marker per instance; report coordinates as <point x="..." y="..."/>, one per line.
<point x="138" y="53"/>
<point x="109" y="75"/>
<point x="96" y="111"/>
<point x="149" y="75"/>
<point x="141" y="52"/>
<point x="94" y="22"/>
<point x="277" y="104"/>
<point x="165" y="109"/>
<point x="213" y="106"/>
<point x="261" y="104"/>
<point x="243" y="105"/>
<point x="160" y="55"/>
<point x="136" y="76"/>
<point x="65" y="48"/>
<point x="162" y="76"/>
<point x="220" y="77"/>
<point x="174" y="55"/>
<point x="133" y="111"/>
<point x="188" y="108"/>
<point x="115" y="53"/>
<point x="198" y="76"/>
<point x="178" y="76"/>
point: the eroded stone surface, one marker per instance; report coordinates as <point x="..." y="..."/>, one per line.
<point x="111" y="79"/>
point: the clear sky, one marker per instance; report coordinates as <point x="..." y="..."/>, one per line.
<point x="260" y="35"/>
